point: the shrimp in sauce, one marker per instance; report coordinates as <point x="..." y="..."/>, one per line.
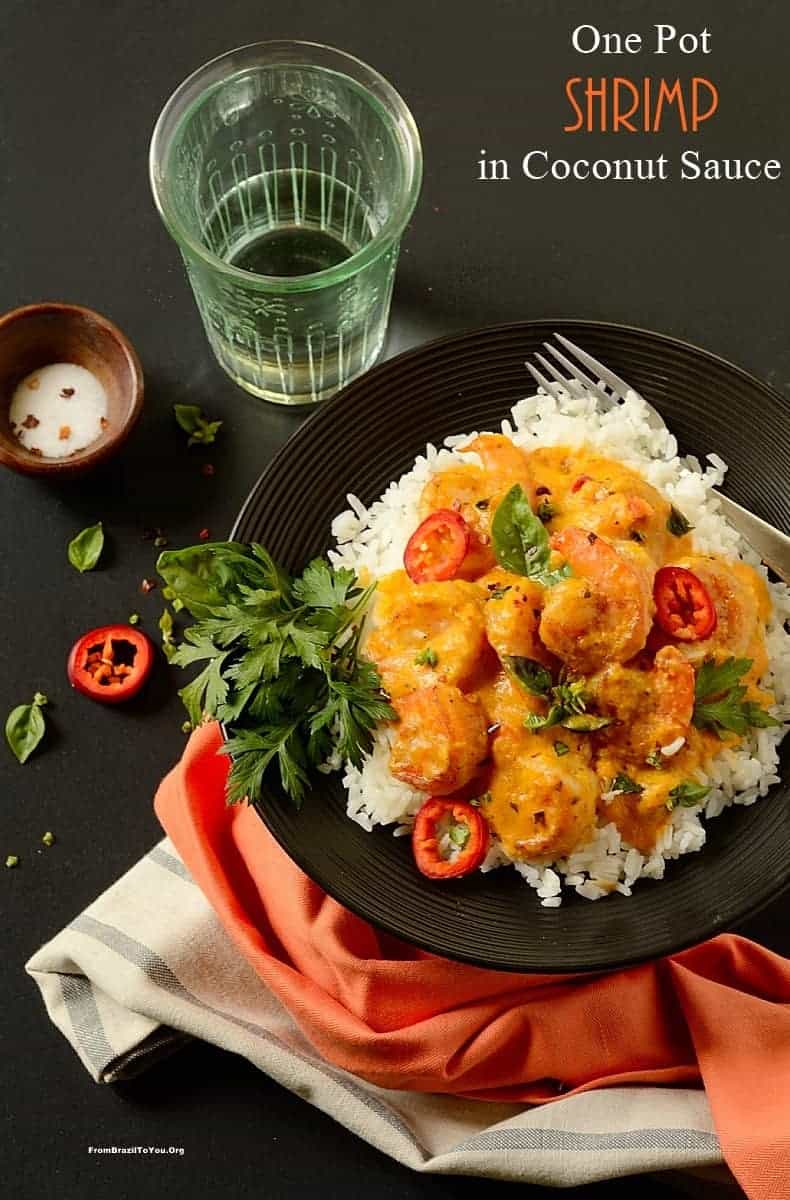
<point x="448" y="654"/>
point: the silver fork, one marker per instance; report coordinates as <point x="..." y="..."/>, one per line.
<point x="769" y="543"/>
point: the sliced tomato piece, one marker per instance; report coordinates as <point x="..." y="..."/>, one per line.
<point x="684" y="608"/>
<point x="437" y="547"/>
<point x="110" y="664"/>
<point x="450" y="838"/>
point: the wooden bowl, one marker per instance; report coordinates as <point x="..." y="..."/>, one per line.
<point x="39" y="334"/>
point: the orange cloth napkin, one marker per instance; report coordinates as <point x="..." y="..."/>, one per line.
<point x="402" y="1018"/>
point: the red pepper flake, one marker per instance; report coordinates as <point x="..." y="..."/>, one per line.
<point x="147" y="586"/>
<point x="579" y="483"/>
<point x="105" y="424"/>
<point x="64" y="433"/>
<point x="30" y="422"/>
<point x="204" y="535"/>
<point x="34" y="384"/>
<point x="207" y="469"/>
<point x="66" y="392"/>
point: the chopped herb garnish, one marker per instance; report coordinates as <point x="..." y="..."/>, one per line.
<point x="191" y="419"/>
<point x="166" y="629"/>
<point x="160" y="540"/>
<point x="48" y="839"/>
<point x="585" y="722"/>
<point x="459" y="834"/>
<point x="478" y="800"/>
<point x="677" y="524"/>
<point x="532" y="675"/>
<point x="687" y="795"/>
<point x="636" y="536"/>
<point x="12" y="860"/>
<point x="546" y="510"/>
<point x="426" y="658"/>
<point x="282" y="662"/>
<point x="496" y="593"/>
<point x="186" y="727"/>
<point x="85" y="549"/>
<point x="568" y="708"/>
<point x="720" y="704"/>
<point x="626" y="785"/>
<point x="561" y="748"/>
<point x="655" y="759"/>
<point x="25" y="727"/>
<point x="134" y="619"/>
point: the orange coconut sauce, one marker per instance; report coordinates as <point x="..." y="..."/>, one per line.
<point x="445" y="652"/>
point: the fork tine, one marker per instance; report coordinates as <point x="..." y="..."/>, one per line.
<point x="618" y="385"/>
<point x="583" y="380"/>
<point x="550" y="369"/>
<point x="542" y="381"/>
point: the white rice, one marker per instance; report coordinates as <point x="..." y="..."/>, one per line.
<point x="374" y="539"/>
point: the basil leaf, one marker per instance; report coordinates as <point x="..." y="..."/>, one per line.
<point x="85" y="549"/>
<point x="213" y="574"/>
<point x="687" y="794"/>
<point x="191" y="419"/>
<point x="677" y="524"/>
<point x="426" y="658"/>
<point x="25" y="727"/>
<point x="532" y="675"/>
<point x="520" y="542"/>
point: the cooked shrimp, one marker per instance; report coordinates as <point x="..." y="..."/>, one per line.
<point x="742" y="605"/>
<point x="503" y="461"/>
<point x="602" y="614"/>
<point x="653" y="707"/>
<point x="540" y="805"/>
<point x="512" y="610"/>
<point x="426" y="633"/>
<point x="440" y="741"/>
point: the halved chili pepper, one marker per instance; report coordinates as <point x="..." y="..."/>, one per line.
<point x="437" y="547"/>
<point x="110" y="664"/>
<point x="463" y="828"/>
<point x="684" y="608"/>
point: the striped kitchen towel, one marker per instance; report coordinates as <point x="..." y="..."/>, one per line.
<point x="148" y="966"/>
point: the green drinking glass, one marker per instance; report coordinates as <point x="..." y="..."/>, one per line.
<point x="286" y="172"/>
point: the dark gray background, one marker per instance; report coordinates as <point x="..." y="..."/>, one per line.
<point x="81" y="82"/>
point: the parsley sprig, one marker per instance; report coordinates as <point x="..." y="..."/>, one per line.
<point x="719" y="699"/>
<point x="281" y="659"/>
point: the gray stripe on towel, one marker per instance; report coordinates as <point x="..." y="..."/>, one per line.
<point x="565" y="1141"/>
<point x="85" y="1020"/>
<point x="169" y="861"/>
<point x="160" y="973"/>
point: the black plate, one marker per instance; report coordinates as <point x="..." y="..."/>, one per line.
<point x="370" y="434"/>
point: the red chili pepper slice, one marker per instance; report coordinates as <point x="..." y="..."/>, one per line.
<point x="110" y="664"/>
<point x="684" y="608"/>
<point x="466" y="829"/>
<point x="437" y="547"/>
<point x="579" y="483"/>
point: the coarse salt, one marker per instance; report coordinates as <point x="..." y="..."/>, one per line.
<point x="58" y="410"/>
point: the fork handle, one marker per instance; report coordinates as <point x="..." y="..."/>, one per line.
<point x="771" y="544"/>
